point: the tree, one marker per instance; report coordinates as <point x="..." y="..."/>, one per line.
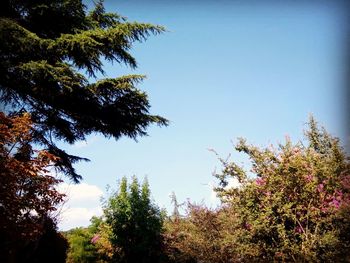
<point x="135" y="223"/>
<point x="52" y="246"/>
<point x="27" y="190"/>
<point x="297" y="206"/>
<point x="293" y="206"/>
<point x="81" y="249"/>
<point x="90" y="244"/>
<point x="46" y="46"/>
<point x="200" y="236"/>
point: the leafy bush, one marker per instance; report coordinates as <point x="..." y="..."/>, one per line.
<point x="296" y="208"/>
<point x="83" y="243"/>
<point x="129" y="230"/>
<point x="293" y="206"/>
<point x="201" y="236"/>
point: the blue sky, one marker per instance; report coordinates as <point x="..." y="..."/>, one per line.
<point x="224" y="69"/>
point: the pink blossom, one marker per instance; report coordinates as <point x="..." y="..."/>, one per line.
<point x="296" y="150"/>
<point x="279" y="158"/>
<point x="309" y="177"/>
<point x="346" y="182"/>
<point x="95" y="238"/>
<point x="339" y="195"/>
<point x="260" y="181"/>
<point x="324" y="209"/>
<point x="320" y="188"/>
<point x="335" y="203"/>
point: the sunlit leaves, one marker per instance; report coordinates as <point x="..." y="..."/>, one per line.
<point x="50" y="50"/>
<point x="28" y="196"/>
<point x="295" y="205"/>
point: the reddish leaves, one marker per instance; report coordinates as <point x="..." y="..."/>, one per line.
<point x="27" y="190"/>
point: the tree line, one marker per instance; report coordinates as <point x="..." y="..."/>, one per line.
<point x="294" y="208"/>
<point x="293" y="205"/>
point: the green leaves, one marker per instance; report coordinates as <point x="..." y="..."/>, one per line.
<point x="136" y="223"/>
<point x="293" y="209"/>
<point x="44" y="48"/>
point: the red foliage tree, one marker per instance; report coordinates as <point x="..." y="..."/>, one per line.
<point x="27" y="190"/>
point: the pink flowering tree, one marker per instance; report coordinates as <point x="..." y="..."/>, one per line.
<point x="296" y="205"/>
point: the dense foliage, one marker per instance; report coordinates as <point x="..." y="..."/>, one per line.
<point x="87" y="244"/>
<point x="298" y="206"/>
<point x="129" y="231"/>
<point x="27" y="192"/>
<point x="201" y="236"/>
<point x="294" y="208"/>
<point x="45" y="49"/>
<point x="135" y="222"/>
<point x="51" y="247"/>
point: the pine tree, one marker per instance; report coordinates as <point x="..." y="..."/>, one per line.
<point x="50" y="51"/>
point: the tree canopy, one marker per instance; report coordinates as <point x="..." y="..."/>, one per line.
<point x="130" y="229"/>
<point x="135" y="223"/>
<point x="83" y="243"/>
<point x="49" y="53"/>
<point x="293" y="206"/>
<point x="28" y="194"/>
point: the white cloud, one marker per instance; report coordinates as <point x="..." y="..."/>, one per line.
<point x="80" y="144"/>
<point x="85" y="143"/>
<point x="82" y="202"/>
<point x="213" y="198"/>
<point x="232" y="183"/>
<point x="81" y="193"/>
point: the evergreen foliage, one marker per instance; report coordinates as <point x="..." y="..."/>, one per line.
<point x="135" y="223"/>
<point x="129" y="230"/>
<point x="45" y="47"/>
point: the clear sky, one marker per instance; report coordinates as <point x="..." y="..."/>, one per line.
<point x="224" y="69"/>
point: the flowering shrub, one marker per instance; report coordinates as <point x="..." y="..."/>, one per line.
<point x="292" y="206"/>
<point x="297" y="206"/>
<point x="89" y="244"/>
